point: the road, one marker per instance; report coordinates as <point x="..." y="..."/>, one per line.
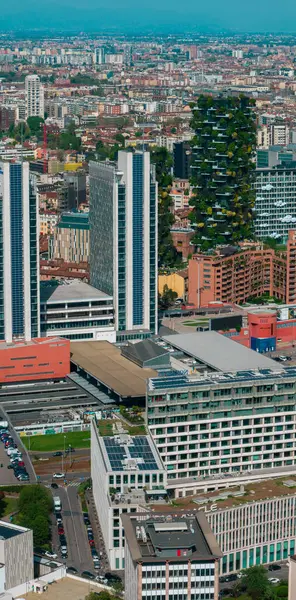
<point x="79" y="555"/>
<point x="281" y="573"/>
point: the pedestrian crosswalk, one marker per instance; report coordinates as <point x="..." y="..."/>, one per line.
<point x="73" y="483"/>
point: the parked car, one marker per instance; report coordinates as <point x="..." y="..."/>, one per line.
<point x="57" y="454"/>
<point x="273" y="580"/>
<point x="87" y="575"/>
<point x="274" y="568"/>
<point x="50" y="554"/>
<point x="54" y="485"/>
<point x="72" y="570"/>
<point x="91" y="542"/>
<point x="58" y="475"/>
<point x="85" y="518"/>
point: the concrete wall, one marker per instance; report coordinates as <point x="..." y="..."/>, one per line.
<point x="18" y="559"/>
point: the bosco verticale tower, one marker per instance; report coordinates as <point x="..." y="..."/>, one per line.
<point x="222" y="170"/>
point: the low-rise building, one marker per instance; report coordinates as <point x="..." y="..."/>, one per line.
<point x="126" y="472"/>
<point x="76" y="311"/>
<point x="171" y="556"/>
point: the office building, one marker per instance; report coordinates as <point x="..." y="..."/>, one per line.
<point x="34" y="96"/>
<point x="275" y="207"/>
<point x="19" y="254"/>
<point x="76" y="311"/>
<point x="230" y="415"/>
<point x="70" y="240"/>
<point x="123" y="240"/>
<point x="16" y="554"/>
<point x="126" y="472"/>
<point x="266" y="531"/>
<point x="222" y="170"/>
<point x="171" y="556"/>
<point x="75" y="184"/>
<point x="181" y="155"/>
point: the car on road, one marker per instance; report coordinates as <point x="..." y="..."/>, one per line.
<point x="72" y="570"/>
<point x="57" y="454"/>
<point x="273" y="580"/>
<point x="88" y="575"/>
<point x="54" y="485"/>
<point x="274" y="568"/>
<point x="226" y="578"/>
<point x="58" y="475"/>
<point x="50" y="554"/>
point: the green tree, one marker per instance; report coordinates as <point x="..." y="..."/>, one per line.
<point x="34" y="124"/>
<point x="41" y="533"/>
<point x="168" y="297"/>
<point x="167" y="254"/>
<point x="255" y="582"/>
<point x="120" y="139"/>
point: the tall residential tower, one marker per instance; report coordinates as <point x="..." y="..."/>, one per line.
<point x="123" y="239"/>
<point x="19" y="254"/>
<point x="34" y="97"/>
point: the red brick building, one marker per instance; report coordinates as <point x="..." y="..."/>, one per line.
<point x="232" y="276"/>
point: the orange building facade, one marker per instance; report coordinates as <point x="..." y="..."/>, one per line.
<point x="235" y="277"/>
<point x="38" y="359"/>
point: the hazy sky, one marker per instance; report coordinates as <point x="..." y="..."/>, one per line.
<point x="133" y="16"/>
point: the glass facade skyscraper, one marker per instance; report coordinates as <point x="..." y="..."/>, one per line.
<point x="123" y="239"/>
<point x="19" y="254"/>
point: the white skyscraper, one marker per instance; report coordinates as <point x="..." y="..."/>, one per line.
<point x="34" y="97"/>
<point x="19" y="254"/>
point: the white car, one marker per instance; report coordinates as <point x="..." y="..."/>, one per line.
<point x="50" y="554"/>
<point x="274" y="580"/>
<point x="58" y="475"/>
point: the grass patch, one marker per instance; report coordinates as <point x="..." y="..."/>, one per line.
<point x="58" y="441"/>
<point x="105" y="427"/>
<point x="10" y="506"/>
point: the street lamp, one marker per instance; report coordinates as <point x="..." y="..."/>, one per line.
<point x="63" y="454"/>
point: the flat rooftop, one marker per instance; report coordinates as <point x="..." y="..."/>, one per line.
<point x="105" y="363"/>
<point x="66" y="588"/>
<point x="219" y="352"/>
<point x="52" y="292"/>
<point x="7" y="530"/>
<point x="125" y="453"/>
<point x="174" y="537"/>
<point x="33" y="342"/>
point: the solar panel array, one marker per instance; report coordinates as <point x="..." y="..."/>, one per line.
<point x="182" y="380"/>
<point x="140" y="448"/>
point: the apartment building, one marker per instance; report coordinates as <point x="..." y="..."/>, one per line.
<point x="225" y="411"/>
<point x="16" y="554"/>
<point x="34" y="92"/>
<point x="70" y="241"/>
<point x="234" y="275"/>
<point x="229" y="275"/>
<point x="170" y="557"/>
<point x="126" y="472"/>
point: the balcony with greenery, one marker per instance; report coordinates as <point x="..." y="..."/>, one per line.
<point x="223" y="150"/>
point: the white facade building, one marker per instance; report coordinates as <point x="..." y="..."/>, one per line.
<point x="34" y="96"/>
<point x="216" y="425"/>
<point x="170" y="557"/>
<point x="125" y="471"/>
<point x="76" y="311"/>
